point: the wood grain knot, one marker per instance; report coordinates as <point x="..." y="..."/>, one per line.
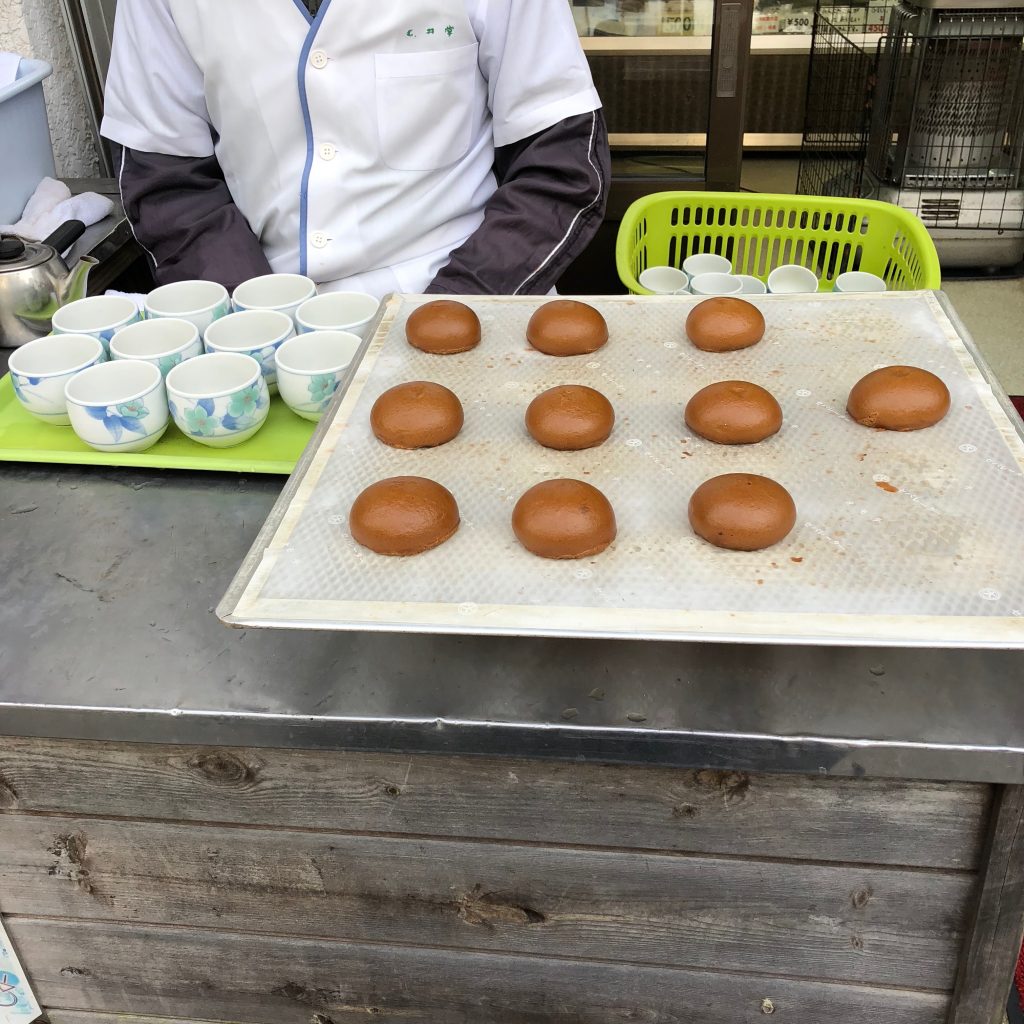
<point x="733" y="786"/>
<point x="8" y="795"/>
<point x="491" y="910"/>
<point x="69" y="854"/>
<point x="75" y="972"/>
<point x="222" y="768"/>
<point x="392" y="790"/>
<point x="860" y="897"/>
<point x="684" y="811"/>
<point x="767" y="1006"/>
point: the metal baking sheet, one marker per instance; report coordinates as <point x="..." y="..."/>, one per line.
<point x="902" y="539"/>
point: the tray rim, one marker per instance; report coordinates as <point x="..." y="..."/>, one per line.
<point x="227" y="609"/>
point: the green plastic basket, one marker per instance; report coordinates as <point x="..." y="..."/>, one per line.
<point x="758" y="232"/>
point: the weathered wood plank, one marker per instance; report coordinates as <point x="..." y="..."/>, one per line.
<point x="994" y="940"/>
<point x="271" y="980"/>
<point x="864" y="821"/>
<point x="865" y="924"/>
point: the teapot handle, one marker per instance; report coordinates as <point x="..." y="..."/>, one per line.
<point x="65" y="236"/>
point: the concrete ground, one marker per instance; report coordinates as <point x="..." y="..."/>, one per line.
<point x="993" y="311"/>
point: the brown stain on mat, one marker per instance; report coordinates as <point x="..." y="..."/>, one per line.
<point x="885" y="486"/>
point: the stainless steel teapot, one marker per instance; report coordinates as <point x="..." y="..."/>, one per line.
<point x="35" y="282"/>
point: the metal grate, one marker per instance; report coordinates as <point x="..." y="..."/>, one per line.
<point x="943" y="134"/>
<point x="843" y="60"/>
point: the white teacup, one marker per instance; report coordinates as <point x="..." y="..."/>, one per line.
<point x="220" y="399"/>
<point x="792" y="279"/>
<point x="41" y="369"/>
<point x="164" y="343"/>
<point x="281" y="292"/>
<point x="252" y="332"/>
<point x="311" y="366"/>
<point x="99" y="315"/>
<point x="751" y="285"/>
<point x="859" y="281"/>
<point x="199" y="302"/>
<point x="119" y="406"/>
<point x="715" y="284"/>
<point x="337" y="311"/>
<point x="664" y="280"/>
<point x="706" y="263"/>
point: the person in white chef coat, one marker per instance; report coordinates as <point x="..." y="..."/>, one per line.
<point x="450" y="146"/>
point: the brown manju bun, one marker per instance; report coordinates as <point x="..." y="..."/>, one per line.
<point x="403" y="515"/>
<point x="566" y="327"/>
<point x="734" y="412"/>
<point x="570" y="417"/>
<point x="418" y="414"/>
<point x="742" y="512"/>
<point x="443" y="328"/>
<point x="564" y="519"/>
<point x="899" y="398"/>
<point x="724" y="324"/>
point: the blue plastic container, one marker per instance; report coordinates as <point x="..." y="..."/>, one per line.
<point x="26" y="152"/>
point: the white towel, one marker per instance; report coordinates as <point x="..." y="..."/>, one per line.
<point x="10" y="63"/>
<point x="52" y="204"/>
<point x="136" y="297"/>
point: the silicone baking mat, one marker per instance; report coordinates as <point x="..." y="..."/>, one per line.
<point x="275" y="449"/>
<point x="902" y="538"/>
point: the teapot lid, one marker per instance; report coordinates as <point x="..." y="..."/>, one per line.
<point x="17" y="254"/>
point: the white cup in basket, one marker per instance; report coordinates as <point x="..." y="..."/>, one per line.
<point x="716" y="284"/>
<point x="751" y="285"/>
<point x="664" y="280"/>
<point x="706" y="263"/>
<point x="792" y="279"/>
<point x="859" y="281"/>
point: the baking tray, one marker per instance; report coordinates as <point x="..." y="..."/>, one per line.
<point x="902" y="539"/>
<point x="275" y="449"/>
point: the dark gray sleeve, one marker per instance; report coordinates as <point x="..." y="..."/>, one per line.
<point x="551" y="197"/>
<point x="183" y="215"/>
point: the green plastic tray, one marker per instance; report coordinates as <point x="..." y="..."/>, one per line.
<point x="275" y="449"/>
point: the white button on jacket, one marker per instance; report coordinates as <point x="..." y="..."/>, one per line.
<point x="414" y="96"/>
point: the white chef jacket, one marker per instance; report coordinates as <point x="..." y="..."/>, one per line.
<point x="359" y="144"/>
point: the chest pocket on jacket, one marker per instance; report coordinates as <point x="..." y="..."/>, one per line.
<point x="426" y="107"/>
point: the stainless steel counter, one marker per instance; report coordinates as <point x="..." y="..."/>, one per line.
<point x="107" y="631"/>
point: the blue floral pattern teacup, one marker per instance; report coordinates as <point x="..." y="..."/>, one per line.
<point x="41" y="369"/>
<point x="255" y="332"/>
<point x="311" y="366"/>
<point x="337" y="311"/>
<point x="164" y="343"/>
<point x="283" y="292"/>
<point x="220" y="399"/>
<point x="102" y="316"/>
<point x="199" y="302"/>
<point x="120" y="406"/>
